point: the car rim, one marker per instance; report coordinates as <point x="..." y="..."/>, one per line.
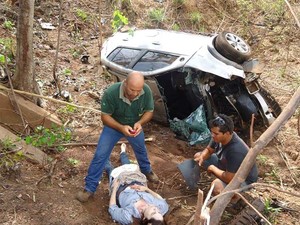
<point x="237" y="43"/>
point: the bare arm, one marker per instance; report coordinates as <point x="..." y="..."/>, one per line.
<point x="146" y="189"/>
<point x="146" y="117"/>
<point x="225" y="176"/>
<point x="202" y="156"/>
<point x="108" y="120"/>
<point x="113" y="199"/>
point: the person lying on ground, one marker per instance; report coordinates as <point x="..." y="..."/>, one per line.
<point x="224" y="154"/>
<point x="131" y="198"/>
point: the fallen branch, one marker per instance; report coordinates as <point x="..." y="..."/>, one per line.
<point x="96" y="143"/>
<point x="48" y="98"/>
<point x="183" y="196"/>
<point x="293" y="13"/>
<point x="49" y="175"/>
<point x="252" y="207"/>
<point x="253" y="185"/>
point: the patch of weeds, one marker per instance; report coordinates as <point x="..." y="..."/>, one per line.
<point x="175" y="27"/>
<point x="8" y="25"/>
<point x="118" y="21"/>
<point x="68" y="109"/>
<point x="82" y="15"/>
<point x="67" y="72"/>
<point x="7" y="47"/>
<point x="270" y="210"/>
<point x="47" y="138"/>
<point x="195" y="17"/>
<point x="262" y="159"/>
<point x="274" y="176"/>
<point x="75" y="53"/>
<point x="73" y="162"/>
<point x="10" y="157"/>
<point x="272" y="10"/>
<point x="157" y="15"/>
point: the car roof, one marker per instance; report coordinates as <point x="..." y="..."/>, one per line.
<point x="174" y="42"/>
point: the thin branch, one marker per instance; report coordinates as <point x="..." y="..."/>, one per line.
<point x="183" y="196"/>
<point x="286" y="161"/>
<point x="251" y="130"/>
<point x="57" y="49"/>
<point x="13" y="93"/>
<point x="51" y="99"/>
<point x="49" y="175"/>
<point x="253" y="208"/>
<point x="293" y="13"/>
<point x="253" y="185"/>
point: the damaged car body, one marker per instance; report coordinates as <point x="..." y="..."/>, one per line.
<point x="186" y="71"/>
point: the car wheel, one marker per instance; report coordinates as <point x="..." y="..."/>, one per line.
<point x="232" y="47"/>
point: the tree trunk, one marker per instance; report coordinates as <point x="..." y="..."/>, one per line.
<point x="249" y="160"/>
<point x="24" y="78"/>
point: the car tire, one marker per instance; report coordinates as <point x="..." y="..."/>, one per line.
<point x="232" y="47"/>
<point x="271" y="102"/>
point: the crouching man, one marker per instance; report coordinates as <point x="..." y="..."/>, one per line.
<point x="224" y="154"/>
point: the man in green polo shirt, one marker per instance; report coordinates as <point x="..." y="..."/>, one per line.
<point x="126" y="106"/>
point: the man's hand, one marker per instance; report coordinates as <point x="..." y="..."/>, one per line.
<point x="139" y="187"/>
<point x="137" y="129"/>
<point x="198" y="157"/>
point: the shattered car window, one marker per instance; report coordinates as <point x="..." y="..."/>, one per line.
<point x="153" y="61"/>
<point x="123" y="56"/>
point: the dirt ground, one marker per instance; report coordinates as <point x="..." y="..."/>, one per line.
<point x="30" y="197"/>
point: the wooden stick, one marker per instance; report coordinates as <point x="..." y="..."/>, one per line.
<point x="95" y="143"/>
<point x="48" y="98"/>
<point x="198" y="207"/>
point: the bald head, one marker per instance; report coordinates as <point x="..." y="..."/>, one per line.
<point x="136" y="78"/>
<point x="133" y="85"/>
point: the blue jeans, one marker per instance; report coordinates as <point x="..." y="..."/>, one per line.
<point x="108" y="139"/>
<point x="212" y="160"/>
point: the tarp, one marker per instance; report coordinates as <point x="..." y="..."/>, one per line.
<point x="193" y="128"/>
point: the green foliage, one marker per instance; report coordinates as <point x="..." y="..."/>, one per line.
<point x="9" y="155"/>
<point x="67" y="72"/>
<point x="2" y="59"/>
<point x="75" y="53"/>
<point x="195" y="17"/>
<point x="274" y="176"/>
<point x="270" y="210"/>
<point x="272" y="10"/>
<point x="49" y="137"/>
<point x="73" y="162"/>
<point x="157" y="15"/>
<point x="8" y="25"/>
<point x="68" y="109"/>
<point x="7" y="46"/>
<point x="7" y="144"/>
<point x="118" y="20"/>
<point x="262" y="159"/>
<point x="175" y="27"/>
<point x="81" y="14"/>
